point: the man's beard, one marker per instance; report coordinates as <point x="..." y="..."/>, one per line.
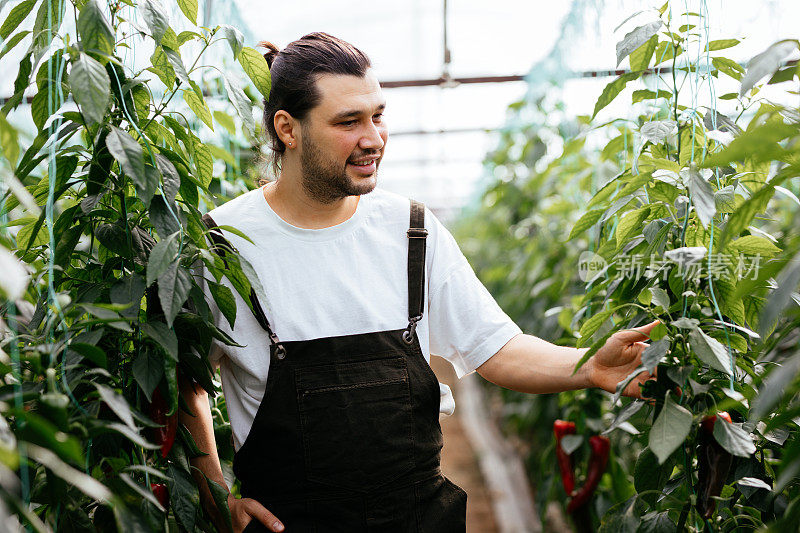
<point x="324" y="181"/>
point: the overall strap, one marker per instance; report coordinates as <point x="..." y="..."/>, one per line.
<point x="222" y="247"/>
<point x="417" y="235"/>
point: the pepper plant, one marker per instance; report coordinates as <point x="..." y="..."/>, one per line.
<point x="694" y="230"/>
<point x="679" y="241"/>
<point x="102" y="213"/>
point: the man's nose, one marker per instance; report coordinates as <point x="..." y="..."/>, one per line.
<point x="373" y="138"/>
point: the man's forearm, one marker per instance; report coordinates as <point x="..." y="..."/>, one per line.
<point x="201" y="427"/>
<point x="533" y="365"/>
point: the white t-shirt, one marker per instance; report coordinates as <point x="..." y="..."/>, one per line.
<point x="347" y="279"/>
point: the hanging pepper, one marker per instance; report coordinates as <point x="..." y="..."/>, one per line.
<point x="714" y="462"/>
<point x="598" y="461"/>
<point x="565" y="464"/>
<point x="160" y="492"/>
<point x="165" y="433"/>
<point x="53" y="403"/>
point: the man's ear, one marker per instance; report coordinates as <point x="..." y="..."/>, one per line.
<point x="286" y="127"/>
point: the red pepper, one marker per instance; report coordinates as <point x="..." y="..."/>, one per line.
<point x="161" y="494"/>
<point x="598" y="462"/>
<point x="168" y="426"/>
<point x="713" y="462"/>
<point x="561" y="428"/>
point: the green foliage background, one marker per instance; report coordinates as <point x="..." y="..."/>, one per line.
<point x="665" y="182"/>
<point x="102" y="213"/>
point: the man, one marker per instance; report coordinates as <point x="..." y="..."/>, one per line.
<point x="333" y="404"/>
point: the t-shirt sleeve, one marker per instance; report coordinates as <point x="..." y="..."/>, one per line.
<point x="467" y="326"/>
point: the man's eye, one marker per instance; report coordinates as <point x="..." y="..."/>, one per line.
<point x="347" y="123"/>
<point x="379" y="116"/>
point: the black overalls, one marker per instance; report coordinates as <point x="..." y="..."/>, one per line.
<point x="347" y="436"/>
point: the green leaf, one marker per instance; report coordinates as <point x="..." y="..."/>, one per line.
<point x="234" y="37"/>
<point x="666" y="51"/>
<point x="728" y="66"/>
<point x="173" y="289"/>
<point x="141" y="101"/>
<point x="656" y="131"/>
<point x="165" y="337"/>
<point x="183" y="496"/>
<point x="8" y="141"/>
<point x="710" y="351"/>
<point x="242" y="104"/>
<point x="90" y="352"/>
<point x="133" y="436"/>
<point x="91" y="87"/>
<point x="733" y="438"/>
<point x="39" y="108"/>
<point x="670" y="429"/>
<point x="782" y="296"/>
<point x="94" y="30"/>
<point x="657" y="522"/>
<point x="14" y="41"/>
<point x="198" y="105"/>
<point x="162" y="67"/>
<point x="593" y="324"/>
<point x="753" y="244"/>
<point x="702" y="196"/>
<point x="146" y="188"/>
<point x="86" y="484"/>
<point x="220" y="496"/>
<point x="766" y="63"/>
<point x="630" y="223"/>
<point x="118" y="404"/>
<point x="722" y="44"/>
<point x="649" y="475"/>
<point x="226" y="303"/>
<point x="653" y="354"/>
<point x="660" y="297"/>
<point x="586" y="221"/>
<point x="15" y="17"/>
<point x="127" y="152"/>
<point x="621" y="518"/>
<point x="257" y="69"/>
<point x="162" y="256"/>
<point x="155" y="17"/>
<point x="174" y="59"/>
<point x="237" y="232"/>
<point x="204" y="164"/>
<point x="169" y="176"/>
<point x="640" y="58"/>
<point x="646" y="94"/>
<point x="637" y="38"/>
<point x="148" y="368"/>
<point x="48" y="21"/>
<point x="226" y="121"/>
<point x="189" y="8"/>
<point x="612" y="90"/>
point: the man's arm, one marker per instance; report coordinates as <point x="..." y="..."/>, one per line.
<point x="201" y="427"/>
<point x="533" y="365"/>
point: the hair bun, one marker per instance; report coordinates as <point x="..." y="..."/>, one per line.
<point x="271" y="53"/>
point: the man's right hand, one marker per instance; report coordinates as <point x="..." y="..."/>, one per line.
<point x="243" y="510"/>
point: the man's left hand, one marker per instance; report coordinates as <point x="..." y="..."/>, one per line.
<point x="619" y="356"/>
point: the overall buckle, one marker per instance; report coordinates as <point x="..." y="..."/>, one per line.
<point x="408" y="334"/>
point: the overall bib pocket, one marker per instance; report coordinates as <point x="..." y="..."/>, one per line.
<point x="356" y="421"/>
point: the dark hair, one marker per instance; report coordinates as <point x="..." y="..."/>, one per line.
<point x="294" y="72"/>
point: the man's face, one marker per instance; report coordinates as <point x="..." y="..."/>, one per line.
<point x="343" y="137"/>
